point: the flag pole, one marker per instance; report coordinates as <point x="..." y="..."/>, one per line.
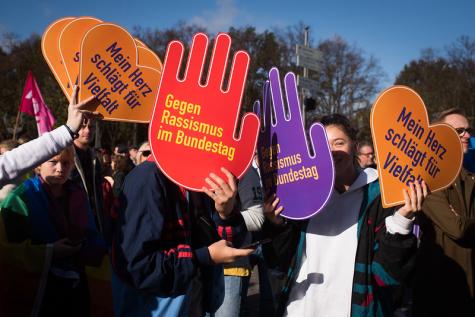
<point x="16" y="123"/>
<point x="19" y="108"/>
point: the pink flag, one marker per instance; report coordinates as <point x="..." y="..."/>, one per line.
<point x="32" y="103"/>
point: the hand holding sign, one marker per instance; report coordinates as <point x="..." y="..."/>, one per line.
<point x="303" y="182"/>
<point x="193" y="126"/>
<point x="408" y="149"/>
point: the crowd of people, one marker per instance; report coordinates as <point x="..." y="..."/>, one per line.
<point x="67" y="207"/>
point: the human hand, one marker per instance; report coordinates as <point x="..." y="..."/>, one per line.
<point x="271" y="211"/>
<point x="299" y="172"/>
<point x="413" y="199"/>
<point x="63" y="248"/>
<point x="223" y="252"/>
<point x="197" y="121"/>
<point x="78" y="111"/>
<point x="223" y="193"/>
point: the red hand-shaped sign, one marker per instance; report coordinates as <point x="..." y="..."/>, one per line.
<point x="193" y="127"/>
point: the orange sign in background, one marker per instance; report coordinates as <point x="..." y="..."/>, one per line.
<point x="408" y="148"/>
<point x="70" y="44"/>
<point x="52" y="55"/>
<point x="62" y="45"/>
<point x="197" y="123"/>
<point x="110" y="70"/>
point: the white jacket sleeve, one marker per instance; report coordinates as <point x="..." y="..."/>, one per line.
<point x="253" y="217"/>
<point x="29" y="155"/>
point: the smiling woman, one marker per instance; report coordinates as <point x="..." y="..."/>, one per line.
<point x="359" y="250"/>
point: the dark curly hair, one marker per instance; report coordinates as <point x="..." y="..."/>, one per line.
<point x="341" y="121"/>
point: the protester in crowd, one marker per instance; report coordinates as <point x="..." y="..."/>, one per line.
<point x="48" y="236"/>
<point x="87" y="171"/>
<point x="445" y="275"/>
<point x="155" y="252"/>
<point x="22" y="159"/>
<point x="6" y="146"/>
<point x="349" y="257"/>
<point x="133" y="151"/>
<point x="105" y="160"/>
<point x="237" y="274"/>
<point x="120" y="169"/>
<point x="23" y="140"/>
<point x="122" y="149"/>
<point x="366" y="155"/>
<point x="469" y="156"/>
<point x="143" y="153"/>
<point x="266" y="298"/>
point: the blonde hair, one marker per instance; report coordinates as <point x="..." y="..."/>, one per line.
<point x="67" y="153"/>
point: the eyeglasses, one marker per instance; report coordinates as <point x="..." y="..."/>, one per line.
<point x="145" y="153"/>
<point x="366" y="154"/>
<point x="461" y="131"/>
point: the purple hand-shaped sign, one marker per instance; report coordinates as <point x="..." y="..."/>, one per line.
<point x="303" y="180"/>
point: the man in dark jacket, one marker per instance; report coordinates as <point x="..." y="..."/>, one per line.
<point x="88" y="173"/>
<point x="154" y="251"/>
<point x="444" y="280"/>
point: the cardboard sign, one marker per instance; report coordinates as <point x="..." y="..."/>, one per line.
<point x="408" y="148"/>
<point x="52" y="55"/>
<point x="148" y="58"/>
<point x="140" y="43"/>
<point x="193" y="128"/>
<point x="70" y="44"/>
<point x="303" y="181"/>
<point x="110" y="69"/>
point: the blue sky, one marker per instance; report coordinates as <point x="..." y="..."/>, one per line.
<point x="394" y="32"/>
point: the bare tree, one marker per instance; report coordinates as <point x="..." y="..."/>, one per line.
<point x="348" y="80"/>
<point x="444" y="79"/>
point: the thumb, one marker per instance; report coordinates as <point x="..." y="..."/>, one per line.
<point x="247" y="141"/>
<point x="317" y="135"/>
<point x="249" y="128"/>
<point x="243" y="252"/>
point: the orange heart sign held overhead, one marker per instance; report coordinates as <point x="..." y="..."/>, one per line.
<point x="70" y="44"/>
<point x="52" y="55"/>
<point x="193" y="128"/>
<point x="408" y="149"/>
<point x="110" y="69"/>
<point x="148" y="58"/>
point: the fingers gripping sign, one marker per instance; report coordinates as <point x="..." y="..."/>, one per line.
<point x="300" y="173"/>
<point x="193" y="128"/>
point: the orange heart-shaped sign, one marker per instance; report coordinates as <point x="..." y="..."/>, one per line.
<point x="70" y="44"/>
<point x="140" y="43"/>
<point x="110" y="69"/>
<point x="148" y="58"/>
<point x="408" y="148"/>
<point x="52" y="55"/>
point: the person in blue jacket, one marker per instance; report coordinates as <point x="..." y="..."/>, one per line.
<point x="153" y="251"/>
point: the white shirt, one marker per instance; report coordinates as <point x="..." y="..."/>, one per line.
<point x="325" y="279"/>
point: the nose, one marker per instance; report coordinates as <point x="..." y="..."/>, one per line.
<point x="59" y="167"/>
